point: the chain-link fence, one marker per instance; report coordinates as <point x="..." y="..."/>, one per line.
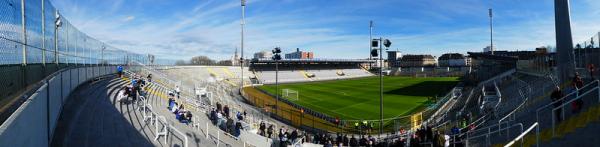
<point x="587" y="52"/>
<point x="36" y="41"/>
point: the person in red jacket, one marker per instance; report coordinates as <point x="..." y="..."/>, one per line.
<point x="591" y="69"/>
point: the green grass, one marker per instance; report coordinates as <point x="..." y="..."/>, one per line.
<point x="359" y="98"/>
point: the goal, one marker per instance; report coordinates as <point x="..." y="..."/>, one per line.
<point x="290" y="94"/>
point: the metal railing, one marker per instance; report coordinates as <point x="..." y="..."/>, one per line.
<point x="578" y="93"/>
<point x="520" y="137"/>
<point x="487" y="132"/>
<point x="188" y="99"/>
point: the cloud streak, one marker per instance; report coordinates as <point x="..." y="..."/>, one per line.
<point x="182" y="29"/>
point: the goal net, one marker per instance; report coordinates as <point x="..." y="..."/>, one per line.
<point x="290" y="94"/>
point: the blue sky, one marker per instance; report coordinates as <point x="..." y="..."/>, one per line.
<point x="180" y="29"/>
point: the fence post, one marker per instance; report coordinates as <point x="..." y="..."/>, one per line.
<point x="206" y="130"/>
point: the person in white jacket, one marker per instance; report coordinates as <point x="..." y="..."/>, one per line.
<point x="121" y="95"/>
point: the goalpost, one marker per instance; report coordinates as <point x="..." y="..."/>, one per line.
<point x="290" y="94"/>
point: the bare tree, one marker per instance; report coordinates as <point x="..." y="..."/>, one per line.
<point x="180" y="62"/>
<point x="201" y="60"/>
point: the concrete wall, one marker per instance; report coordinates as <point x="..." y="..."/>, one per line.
<point x="27" y="126"/>
<point x="33" y="123"/>
<point x="55" y="101"/>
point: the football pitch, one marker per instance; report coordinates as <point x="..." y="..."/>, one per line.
<point x="358" y="99"/>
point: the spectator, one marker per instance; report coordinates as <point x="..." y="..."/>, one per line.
<point x="328" y="144"/>
<point x="122" y="95"/>
<point x="219" y="119"/>
<point x="557" y="100"/>
<point x="188" y="116"/>
<point x="226" y="111"/>
<point x="177" y="91"/>
<point x="197" y="92"/>
<point x="149" y="77"/>
<point x="338" y="138"/>
<point x="592" y="69"/>
<point x="239" y="116"/>
<point x="270" y="131"/>
<point x="120" y="71"/>
<point x="353" y="141"/>
<point x="219" y="107"/>
<point x="238" y="127"/>
<point x="345" y="140"/>
<point x="169" y="102"/>
<point x="262" y="128"/>
<point x="578" y="84"/>
<point x="230" y="125"/>
<point x="363" y="141"/>
<point x="173" y="106"/>
<point x="455" y="130"/>
<point x="446" y="140"/>
<point x="294" y="136"/>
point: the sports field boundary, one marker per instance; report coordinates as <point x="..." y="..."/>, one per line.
<point x="290" y="110"/>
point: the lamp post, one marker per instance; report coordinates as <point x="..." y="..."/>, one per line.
<point x="491" y="33"/>
<point x="276" y="57"/>
<point x="242" y="23"/>
<point x="57" y="24"/>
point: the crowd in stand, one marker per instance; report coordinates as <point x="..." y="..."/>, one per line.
<point x="220" y="116"/>
<point x="132" y="90"/>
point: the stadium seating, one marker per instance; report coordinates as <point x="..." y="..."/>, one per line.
<point x="291" y="76"/>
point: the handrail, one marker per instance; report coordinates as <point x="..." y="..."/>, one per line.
<point x="569" y="102"/>
<point x="520" y="137"/>
<point x="564" y="97"/>
<point x="185" y="144"/>
<point x="574" y="92"/>
<point x="520" y="125"/>
<point x="522" y="103"/>
<point x="176" y="130"/>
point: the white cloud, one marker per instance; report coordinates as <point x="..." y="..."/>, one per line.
<point x="211" y="28"/>
<point x="129" y="18"/>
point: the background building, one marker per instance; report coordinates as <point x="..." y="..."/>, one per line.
<point x="453" y="60"/>
<point x="263" y="55"/>
<point x="235" y="59"/>
<point x="299" y="55"/>
<point x="393" y="58"/>
<point x="487" y="49"/>
<point x="418" y="61"/>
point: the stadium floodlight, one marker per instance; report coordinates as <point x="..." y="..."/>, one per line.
<point x="57" y="23"/>
<point x="374" y="53"/>
<point x="387" y="43"/>
<point x="375" y="43"/>
<point x="276" y="57"/>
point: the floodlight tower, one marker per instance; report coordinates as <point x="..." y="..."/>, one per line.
<point x="276" y="57"/>
<point x="377" y="44"/>
<point x="57" y="24"/>
<point x="242" y="23"/>
<point x="491" y="32"/>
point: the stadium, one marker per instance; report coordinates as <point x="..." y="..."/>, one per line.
<point x="61" y="87"/>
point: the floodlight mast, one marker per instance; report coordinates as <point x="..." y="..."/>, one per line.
<point x="242" y="23"/>
<point x="491" y="33"/>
